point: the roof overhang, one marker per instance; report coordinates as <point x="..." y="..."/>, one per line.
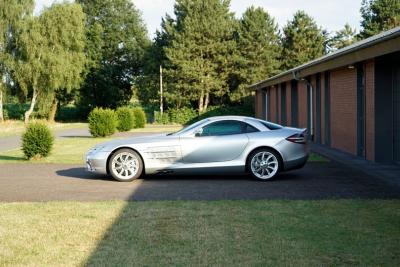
<point x="375" y="46"/>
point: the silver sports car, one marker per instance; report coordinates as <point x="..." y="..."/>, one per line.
<point x="226" y="143"/>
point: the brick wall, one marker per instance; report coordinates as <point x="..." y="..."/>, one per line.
<point x="288" y="103"/>
<point x="370" y="110"/>
<point x="302" y="98"/>
<point x="272" y="103"/>
<point x="278" y="101"/>
<point x="258" y="104"/>
<point x="343" y="86"/>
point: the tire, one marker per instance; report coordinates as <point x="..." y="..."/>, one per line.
<point x="125" y="165"/>
<point x="264" y="164"/>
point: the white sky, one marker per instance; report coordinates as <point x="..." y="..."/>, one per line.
<point x="329" y="14"/>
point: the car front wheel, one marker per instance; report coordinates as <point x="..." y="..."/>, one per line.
<point x="264" y="164"/>
<point x="125" y="165"/>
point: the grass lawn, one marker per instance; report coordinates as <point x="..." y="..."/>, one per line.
<point x="157" y="128"/>
<point x="12" y="127"/>
<point x="65" y="150"/>
<point x="190" y="233"/>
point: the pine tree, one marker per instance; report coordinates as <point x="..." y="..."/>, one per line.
<point x="302" y="41"/>
<point x="343" y="38"/>
<point x="116" y="44"/>
<point x="258" y="51"/>
<point x="12" y="12"/>
<point x="200" y="47"/>
<point x="378" y="16"/>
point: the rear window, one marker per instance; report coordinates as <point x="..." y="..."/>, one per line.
<point x="270" y="125"/>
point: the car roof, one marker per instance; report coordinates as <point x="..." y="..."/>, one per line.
<point x="230" y="117"/>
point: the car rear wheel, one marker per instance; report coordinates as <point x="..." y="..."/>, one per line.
<point x="264" y="164"/>
<point x="125" y="165"/>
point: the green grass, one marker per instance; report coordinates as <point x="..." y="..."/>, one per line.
<point x="66" y="150"/>
<point x="314" y="157"/>
<point x="154" y="128"/>
<point x="189" y="233"/>
<point x="12" y="128"/>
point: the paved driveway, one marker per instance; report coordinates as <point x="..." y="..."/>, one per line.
<point x="45" y="182"/>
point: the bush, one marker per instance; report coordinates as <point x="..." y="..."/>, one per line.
<point x="70" y="113"/>
<point x="140" y="117"/>
<point x="15" y="111"/>
<point x="188" y="115"/>
<point x="102" y="122"/>
<point x="37" y="140"/>
<point x="126" y="121"/>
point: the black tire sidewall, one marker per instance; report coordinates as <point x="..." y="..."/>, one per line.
<point x="277" y="156"/>
<point x="127" y="150"/>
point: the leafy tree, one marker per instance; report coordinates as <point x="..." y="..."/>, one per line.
<point x="50" y="52"/>
<point x="201" y="44"/>
<point x="343" y="37"/>
<point x="258" y="51"/>
<point x="147" y="85"/>
<point x="378" y="16"/>
<point x="11" y="14"/>
<point x="116" y="43"/>
<point x="302" y="40"/>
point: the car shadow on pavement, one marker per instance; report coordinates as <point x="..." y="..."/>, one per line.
<point x="82" y="173"/>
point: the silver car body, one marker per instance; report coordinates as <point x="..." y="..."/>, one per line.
<point x="185" y="152"/>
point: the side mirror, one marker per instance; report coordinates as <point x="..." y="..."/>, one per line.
<point x="198" y="132"/>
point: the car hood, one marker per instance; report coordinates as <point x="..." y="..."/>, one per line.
<point x="111" y="145"/>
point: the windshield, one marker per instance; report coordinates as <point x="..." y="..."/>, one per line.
<point x="189" y="127"/>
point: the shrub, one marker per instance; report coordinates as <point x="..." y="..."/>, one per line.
<point x="161" y="119"/>
<point x="15" y="111"/>
<point x="37" y="140"/>
<point x="102" y="122"/>
<point x="188" y="115"/>
<point x="126" y="121"/>
<point x="70" y="113"/>
<point x="140" y="117"/>
<point x="182" y="115"/>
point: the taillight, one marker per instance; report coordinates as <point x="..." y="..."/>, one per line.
<point x="298" y="138"/>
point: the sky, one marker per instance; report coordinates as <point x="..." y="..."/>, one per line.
<point x="329" y="14"/>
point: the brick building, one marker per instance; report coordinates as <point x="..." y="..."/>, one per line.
<point x="348" y="100"/>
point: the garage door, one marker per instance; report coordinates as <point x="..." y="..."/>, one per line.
<point x="396" y="115"/>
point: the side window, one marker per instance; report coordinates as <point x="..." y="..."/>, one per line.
<point x="220" y="128"/>
<point x="247" y="128"/>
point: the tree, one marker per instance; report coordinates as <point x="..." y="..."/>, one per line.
<point x="378" y="16"/>
<point x="201" y="44"/>
<point x="343" y="38"/>
<point x="116" y="43"/>
<point x="147" y="85"/>
<point x="258" y="51"/>
<point x="11" y="14"/>
<point x="50" y="52"/>
<point x="302" y="41"/>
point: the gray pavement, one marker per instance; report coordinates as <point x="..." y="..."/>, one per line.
<point x="47" y="182"/>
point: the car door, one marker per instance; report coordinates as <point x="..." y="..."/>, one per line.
<point x="215" y="142"/>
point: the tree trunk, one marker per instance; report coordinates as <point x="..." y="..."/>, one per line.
<point x="201" y="101"/>
<point x="32" y="106"/>
<point x="1" y="106"/>
<point x="53" y="110"/>
<point x="206" y="101"/>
